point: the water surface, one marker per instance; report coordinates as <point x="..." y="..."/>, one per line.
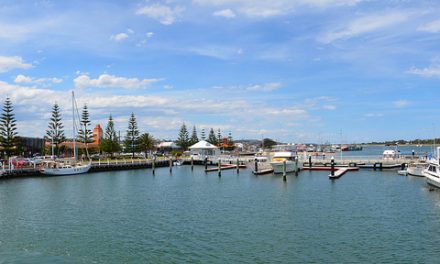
<point x="193" y="217"/>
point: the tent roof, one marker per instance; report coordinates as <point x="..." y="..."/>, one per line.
<point x="203" y="145"/>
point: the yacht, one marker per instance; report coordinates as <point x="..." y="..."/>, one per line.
<point x="287" y="157"/>
<point x="59" y="168"/>
<point x="432" y="173"/>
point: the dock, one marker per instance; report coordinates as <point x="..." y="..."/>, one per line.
<point x="262" y="172"/>
<point x="338" y="171"/>
<point x="226" y="167"/>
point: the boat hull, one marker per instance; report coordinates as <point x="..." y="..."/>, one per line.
<point x="278" y="167"/>
<point x="434" y="181"/>
<point x="66" y="171"/>
<point x="416" y="171"/>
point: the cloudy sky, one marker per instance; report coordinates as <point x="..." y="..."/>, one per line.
<point x="292" y="70"/>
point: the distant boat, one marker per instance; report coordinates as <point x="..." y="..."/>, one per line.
<point x="59" y="168"/>
<point x="278" y="160"/>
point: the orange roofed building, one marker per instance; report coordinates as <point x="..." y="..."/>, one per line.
<point x="98" y="135"/>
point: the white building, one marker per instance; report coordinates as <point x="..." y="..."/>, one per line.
<point x="203" y="149"/>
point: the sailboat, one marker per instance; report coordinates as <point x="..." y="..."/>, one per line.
<point x="57" y="168"/>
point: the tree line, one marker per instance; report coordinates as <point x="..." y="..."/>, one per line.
<point x="184" y="140"/>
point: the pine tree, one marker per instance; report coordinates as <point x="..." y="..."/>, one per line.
<point x="85" y="134"/>
<point x="55" y="132"/>
<point x="212" y="138"/>
<point x="219" y="138"/>
<point x="146" y="142"/>
<point x="203" y="136"/>
<point x="110" y="143"/>
<point x="194" y="139"/>
<point x="183" y="140"/>
<point x="131" y="139"/>
<point x="8" y="127"/>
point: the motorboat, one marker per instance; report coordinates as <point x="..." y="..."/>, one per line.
<point x="284" y="161"/>
<point x="432" y="173"/>
<point x="416" y="168"/>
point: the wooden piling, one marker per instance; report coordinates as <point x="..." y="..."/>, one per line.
<point x="192" y="163"/>
<point x="171" y="165"/>
<point x="219" y="168"/>
<point x="238" y="166"/>
<point x="256" y="165"/>
<point x="333" y="167"/>
<point x="153" y="165"/>
<point x="284" y="171"/>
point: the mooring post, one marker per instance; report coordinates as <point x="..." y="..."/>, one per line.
<point x="333" y="166"/>
<point x="219" y="168"/>
<point x="380" y="164"/>
<point x="284" y="171"/>
<point x="192" y="163"/>
<point x="310" y="161"/>
<point x="256" y="165"/>
<point x="171" y="164"/>
<point x="206" y="163"/>
<point x="238" y="166"/>
<point x="296" y="166"/>
<point x="153" y="165"/>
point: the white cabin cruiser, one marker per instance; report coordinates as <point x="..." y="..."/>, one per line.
<point x="416" y="168"/>
<point x="287" y="157"/>
<point x="432" y="173"/>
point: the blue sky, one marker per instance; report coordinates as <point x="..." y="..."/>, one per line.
<point x="292" y="70"/>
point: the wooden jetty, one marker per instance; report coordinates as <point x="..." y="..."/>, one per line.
<point x="262" y="171"/>
<point x="99" y="166"/>
<point x="337" y="171"/>
<point x="226" y="167"/>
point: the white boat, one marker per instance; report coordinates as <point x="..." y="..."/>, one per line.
<point x="390" y="154"/>
<point x="56" y="168"/>
<point x="281" y="158"/>
<point x="59" y="168"/>
<point x="416" y="168"/>
<point x="432" y="173"/>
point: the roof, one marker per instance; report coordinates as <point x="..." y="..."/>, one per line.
<point x="203" y="145"/>
<point x="168" y="144"/>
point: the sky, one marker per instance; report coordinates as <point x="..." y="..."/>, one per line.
<point x="291" y="70"/>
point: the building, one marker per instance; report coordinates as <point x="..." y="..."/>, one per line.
<point x="204" y="149"/>
<point x="98" y="135"/>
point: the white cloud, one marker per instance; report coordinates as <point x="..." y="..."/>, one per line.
<point x="372" y="115"/>
<point x="431" y="27"/>
<point x="431" y="71"/>
<point x="227" y="13"/>
<point x="22" y="79"/>
<point x="112" y="81"/>
<point x="149" y="34"/>
<point x="267" y="87"/>
<point x="119" y="37"/>
<point x="364" y="25"/>
<point x="329" y="107"/>
<point x="274" y="7"/>
<point x="164" y="14"/>
<point x="401" y="103"/>
<point x="14" y="62"/>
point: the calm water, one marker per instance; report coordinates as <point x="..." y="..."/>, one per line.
<point x="133" y="216"/>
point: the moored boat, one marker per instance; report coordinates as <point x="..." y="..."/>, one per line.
<point x="286" y="157"/>
<point x="416" y="168"/>
<point x="432" y="173"/>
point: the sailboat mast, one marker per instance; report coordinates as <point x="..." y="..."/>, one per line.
<point x="75" y="155"/>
